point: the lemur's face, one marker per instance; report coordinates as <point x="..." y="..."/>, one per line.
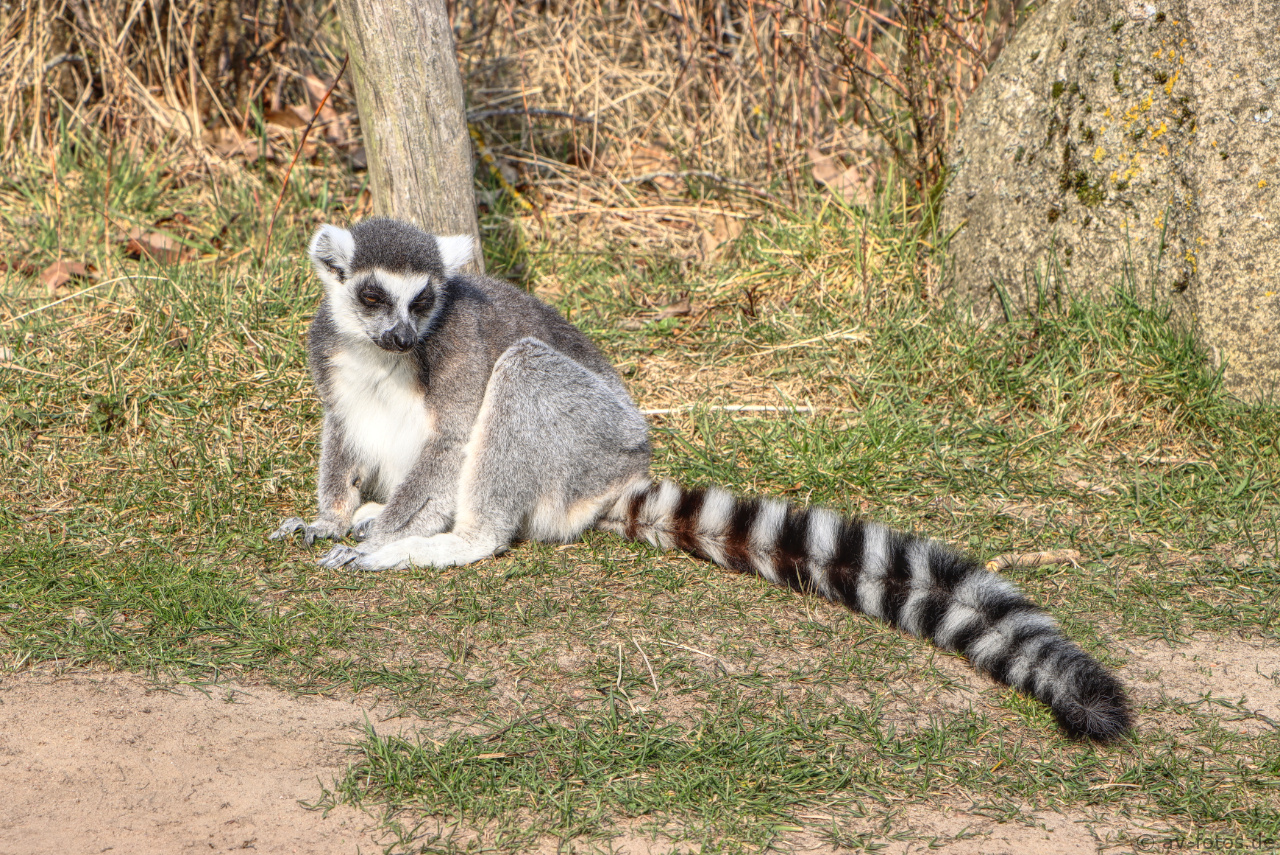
<point x="384" y="279"/>
<point x="392" y="309"/>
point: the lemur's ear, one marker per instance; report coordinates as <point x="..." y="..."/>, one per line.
<point x="455" y="251"/>
<point x="332" y="249"/>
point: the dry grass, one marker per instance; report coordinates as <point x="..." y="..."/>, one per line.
<point x="661" y="125"/>
<point x="224" y="84"/>
<point x="658" y="123"/>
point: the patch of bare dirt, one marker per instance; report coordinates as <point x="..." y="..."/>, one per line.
<point x="965" y="834"/>
<point x="955" y="831"/>
<point x="910" y="830"/>
<point x="95" y="762"/>
<point x="107" y="762"/>
<point x="1237" y="680"/>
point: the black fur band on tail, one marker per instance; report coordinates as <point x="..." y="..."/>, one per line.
<point x="919" y="586"/>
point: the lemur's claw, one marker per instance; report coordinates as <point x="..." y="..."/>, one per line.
<point x="339" y="556"/>
<point x="321" y="529"/>
<point x="288" y="527"/>
<point x="362" y="530"/>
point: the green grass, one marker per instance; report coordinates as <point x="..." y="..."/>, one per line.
<point x="154" y="429"/>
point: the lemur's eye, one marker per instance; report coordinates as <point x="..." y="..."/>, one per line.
<point x="370" y="296"/>
<point x="423" y="301"/>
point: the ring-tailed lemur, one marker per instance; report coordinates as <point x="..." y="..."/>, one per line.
<point x="478" y="415"/>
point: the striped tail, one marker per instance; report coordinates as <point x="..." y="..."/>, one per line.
<point x="920" y="586"/>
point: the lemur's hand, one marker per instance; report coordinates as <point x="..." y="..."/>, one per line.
<point x="321" y="529"/>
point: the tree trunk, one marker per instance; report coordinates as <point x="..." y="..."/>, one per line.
<point x="412" y="115"/>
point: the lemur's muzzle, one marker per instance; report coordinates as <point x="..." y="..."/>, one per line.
<point x="399" y="338"/>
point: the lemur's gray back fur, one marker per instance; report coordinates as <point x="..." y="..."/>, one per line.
<point x="478" y="415"/>
<point x="476" y="317"/>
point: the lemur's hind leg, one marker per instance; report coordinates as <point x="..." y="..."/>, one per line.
<point x="552" y="449"/>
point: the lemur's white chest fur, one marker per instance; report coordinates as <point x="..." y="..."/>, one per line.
<point x="377" y="399"/>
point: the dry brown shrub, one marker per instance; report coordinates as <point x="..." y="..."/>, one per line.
<point x="658" y="122"/>
<point x="649" y="117"/>
<point x="741" y="88"/>
<point x="149" y="72"/>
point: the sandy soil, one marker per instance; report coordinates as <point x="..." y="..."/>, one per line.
<point x="98" y="762"/>
<point x="955" y="832"/>
<point x="1042" y="832"/>
<point x="1237" y="680"/>
<point x="106" y="763"/>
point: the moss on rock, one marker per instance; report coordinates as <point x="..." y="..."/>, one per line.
<point x="1142" y="146"/>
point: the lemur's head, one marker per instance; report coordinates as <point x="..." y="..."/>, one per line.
<point x="384" y="278"/>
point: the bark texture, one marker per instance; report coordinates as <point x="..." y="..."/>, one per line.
<point x="412" y="113"/>
<point x="1141" y="139"/>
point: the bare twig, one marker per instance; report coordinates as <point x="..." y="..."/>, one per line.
<point x="59" y="60"/>
<point x="284" y="184"/>
<point x="1035" y="559"/>
<point x="736" y="408"/>
<point x="716" y="659"/>
<point x="703" y="173"/>
<point x="79" y="293"/>
<point x="857" y="336"/>
<point x="652" y="676"/>
<point x="481" y="115"/>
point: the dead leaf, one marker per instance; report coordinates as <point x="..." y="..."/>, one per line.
<point x="855" y="185"/>
<point x="158" y="246"/>
<point x="723" y="230"/>
<point x="229" y="142"/>
<point x="825" y="169"/>
<point x="177" y="218"/>
<point x="317" y="89"/>
<point x="637" y="161"/>
<point x="335" y="127"/>
<point x="1091" y="487"/>
<point x="1035" y="559"/>
<point x="680" y="308"/>
<point x="60" y="273"/>
<point x="25" y="268"/>
<point x="180" y="337"/>
<point x="290" y="118"/>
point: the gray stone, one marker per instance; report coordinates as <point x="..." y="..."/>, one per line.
<point x="1139" y="140"/>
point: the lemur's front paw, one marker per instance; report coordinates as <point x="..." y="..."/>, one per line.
<point x="361" y="531"/>
<point x="339" y="556"/>
<point x="288" y="527"/>
<point x="365" y="519"/>
<point x="319" y="530"/>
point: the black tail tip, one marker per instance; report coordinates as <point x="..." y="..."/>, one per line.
<point x="1097" y="710"/>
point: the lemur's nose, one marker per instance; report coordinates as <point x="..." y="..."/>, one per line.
<point x="399" y="338"/>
